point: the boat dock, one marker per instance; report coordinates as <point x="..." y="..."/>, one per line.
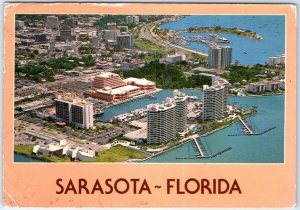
<point x="247" y="129"/>
<point x="198" y="147"/>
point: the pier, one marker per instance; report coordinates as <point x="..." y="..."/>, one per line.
<point x="198" y="147"/>
<point x="246" y="127"/>
<point x="248" y="130"/>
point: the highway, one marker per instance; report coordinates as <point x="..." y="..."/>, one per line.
<point x="146" y="32"/>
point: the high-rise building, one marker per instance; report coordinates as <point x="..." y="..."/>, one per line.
<point x="77" y="113"/>
<point x="181" y="111"/>
<point x="161" y="126"/>
<point x="214" y="56"/>
<point x="111" y="26"/>
<point x="71" y="22"/>
<point x="219" y="56"/>
<point x="19" y="24"/>
<point x="67" y="33"/>
<point x="111" y="34"/>
<point x="52" y="22"/>
<point x="226" y="59"/>
<point x="125" y="41"/>
<point x="214" y="102"/>
<point x="132" y="19"/>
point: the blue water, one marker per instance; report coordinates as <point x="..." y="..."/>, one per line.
<point x="266" y="148"/>
<point x="270" y="27"/>
<point x="140" y="103"/>
<point x="22" y="158"/>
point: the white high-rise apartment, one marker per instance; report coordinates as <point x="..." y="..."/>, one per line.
<point x="161" y="122"/>
<point x="214" y="56"/>
<point x="226" y="59"/>
<point x="214" y="102"/>
<point x="132" y="19"/>
<point x="181" y="111"/>
<point x="75" y="112"/>
<point x="219" y="56"/>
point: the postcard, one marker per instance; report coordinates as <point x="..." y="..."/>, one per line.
<point x="149" y="105"/>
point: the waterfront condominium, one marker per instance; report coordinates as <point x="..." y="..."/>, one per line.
<point x="75" y="112"/>
<point x="214" y="102"/>
<point x="219" y="56"/>
<point x="181" y="111"/>
<point x="161" y="122"/>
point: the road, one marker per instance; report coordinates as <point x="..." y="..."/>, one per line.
<point x="146" y="32"/>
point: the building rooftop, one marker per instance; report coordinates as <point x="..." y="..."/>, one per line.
<point x="119" y="90"/>
<point x="107" y="75"/>
<point x="139" y="81"/>
<point x="165" y="105"/>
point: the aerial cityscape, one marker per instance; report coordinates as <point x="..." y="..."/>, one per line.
<point x="149" y="88"/>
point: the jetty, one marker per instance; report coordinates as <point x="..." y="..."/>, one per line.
<point x="248" y="130"/>
<point x="198" y="147"/>
<point x="246" y="127"/>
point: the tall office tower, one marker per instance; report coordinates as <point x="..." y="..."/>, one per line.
<point x="161" y="122"/>
<point x="125" y="41"/>
<point x="71" y="22"/>
<point x="219" y="56"/>
<point x="67" y="33"/>
<point x="107" y="80"/>
<point x="226" y="53"/>
<point x="111" y="26"/>
<point x="181" y="111"/>
<point x="52" y="22"/>
<point x="214" y="102"/>
<point x="75" y="112"/>
<point x="111" y="34"/>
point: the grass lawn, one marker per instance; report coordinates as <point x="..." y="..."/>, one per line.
<point x="151" y="47"/>
<point x="27" y="150"/>
<point x="23" y="149"/>
<point x="119" y="153"/>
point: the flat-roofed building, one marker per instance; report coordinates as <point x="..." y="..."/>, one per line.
<point x="67" y="33"/>
<point x="256" y="87"/>
<point x="107" y="79"/>
<point x="111" y="26"/>
<point x="175" y="58"/>
<point x="214" y="102"/>
<point x="144" y="84"/>
<point x="52" y="22"/>
<point x="75" y="112"/>
<point x="19" y="24"/>
<point x="125" y="41"/>
<point x="116" y="94"/>
<point x="111" y="35"/>
<point x="110" y="87"/>
<point x="161" y="126"/>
